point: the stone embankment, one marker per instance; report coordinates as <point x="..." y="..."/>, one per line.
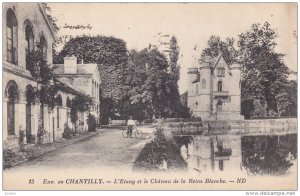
<point x="258" y="126"/>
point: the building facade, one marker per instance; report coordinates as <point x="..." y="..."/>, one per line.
<point x="85" y="78"/>
<point x="214" y="90"/>
<point x="25" y="25"/>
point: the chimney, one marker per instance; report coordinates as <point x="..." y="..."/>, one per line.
<point x="70" y="64"/>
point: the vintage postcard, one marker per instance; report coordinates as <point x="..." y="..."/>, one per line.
<point x="149" y="96"/>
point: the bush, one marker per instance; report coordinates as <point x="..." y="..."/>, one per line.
<point x="91" y="123"/>
<point x="10" y="158"/>
<point x="21" y="136"/>
<point x="68" y="132"/>
<point x="30" y="138"/>
<point x="42" y="134"/>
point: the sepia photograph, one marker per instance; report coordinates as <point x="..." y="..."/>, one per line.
<point x="149" y="96"/>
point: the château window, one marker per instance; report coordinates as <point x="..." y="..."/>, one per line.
<point x="203" y="83"/>
<point x="12" y="36"/>
<point x="220" y="86"/>
<point x="197" y="89"/>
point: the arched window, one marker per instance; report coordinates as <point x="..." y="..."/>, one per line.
<point x="29" y="37"/>
<point x="68" y="102"/>
<point x="220" y="86"/>
<point x="13" y="95"/>
<point x="12" y="36"/>
<point x="203" y="83"/>
<point x="43" y="45"/>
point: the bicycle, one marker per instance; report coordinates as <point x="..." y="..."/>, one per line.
<point x="137" y="133"/>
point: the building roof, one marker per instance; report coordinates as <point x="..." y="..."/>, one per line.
<point x="211" y="62"/>
<point x="66" y="88"/>
<point x="83" y="69"/>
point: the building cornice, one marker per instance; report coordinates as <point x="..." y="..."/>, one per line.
<point x="17" y="71"/>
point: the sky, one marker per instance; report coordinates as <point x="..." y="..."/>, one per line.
<point x="191" y="23"/>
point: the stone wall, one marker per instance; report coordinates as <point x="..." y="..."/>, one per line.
<point x="265" y="126"/>
<point x="121" y="122"/>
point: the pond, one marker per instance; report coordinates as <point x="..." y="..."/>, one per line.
<point x="272" y="155"/>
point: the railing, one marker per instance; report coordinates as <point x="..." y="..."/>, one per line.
<point x="192" y="70"/>
<point x="220" y="93"/>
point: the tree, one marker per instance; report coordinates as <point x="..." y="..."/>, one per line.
<point x="287" y="99"/>
<point x="109" y="53"/>
<point x="151" y="89"/>
<point x="51" y="19"/>
<point x="144" y="71"/>
<point x="111" y="56"/>
<point x="216" y="46"/>
<point x="268" y="155"/>
<point x="42" y="72"/>
<point x="264" y="73"/>
<point x="173" y="54"/>
<point x="80" y="103"/>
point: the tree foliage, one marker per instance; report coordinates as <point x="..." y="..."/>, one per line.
<point x="42" y="72"/>
<point x="265" y="76"/>
<point x="80" y="103"/>
<point x="151" y="90"/>
<point x="216" y="46"/>
<point x="109" y="53"/>
<point x="173" y="54"/>
<point x="271" y="155"/>
<point x="51" y="19"/>
<point x="264" y="83"/>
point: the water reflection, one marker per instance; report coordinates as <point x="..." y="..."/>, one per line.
<point x="253" y="155"/>
<point x="269" y="154"/>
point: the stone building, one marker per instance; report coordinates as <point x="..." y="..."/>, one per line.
<point x="85" y="78"/>
<point x="214" y="90"/>
<point x="24" y="26"/>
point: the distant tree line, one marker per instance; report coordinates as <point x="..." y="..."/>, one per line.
<point x="142" y="84"/>
<point x="266" y="89"/>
